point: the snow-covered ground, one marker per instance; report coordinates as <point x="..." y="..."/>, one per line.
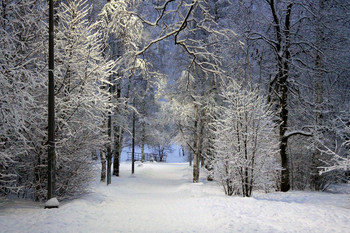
<point x="161" y="198"/>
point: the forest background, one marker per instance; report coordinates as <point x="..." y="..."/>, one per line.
<point x="256" y="92"/>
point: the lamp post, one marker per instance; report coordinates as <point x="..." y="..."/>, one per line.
<point x="51" y="116"/>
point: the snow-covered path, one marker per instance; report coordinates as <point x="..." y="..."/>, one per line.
<point x="161" y="198"/>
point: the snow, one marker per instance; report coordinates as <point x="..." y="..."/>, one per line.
<point x="52" y="203"/>
<point x="160" y="197"/>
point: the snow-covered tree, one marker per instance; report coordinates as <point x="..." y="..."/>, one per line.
<point x="338" y="162"/>
<point x="187" y="112"/>
<point x="339" y="154"/>
<point x="81" y="100"/>
<point x="81" y="95"/>
<point x="22" y="95"/>
<point x="161" y="130"/>
<point x="122" y="33"/>
<point x="246" y="144"/>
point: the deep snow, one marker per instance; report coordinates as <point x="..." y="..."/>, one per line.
<point x="161" y="198"/>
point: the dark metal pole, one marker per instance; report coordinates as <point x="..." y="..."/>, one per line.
<point x="133" y="142"/>
<point x="51" y="109"/>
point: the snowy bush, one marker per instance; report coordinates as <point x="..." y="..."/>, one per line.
<point x="245" y="142"/>
<point x="339" y="164"/>
<point x="81" y="103"/>
<point x="22" y="93"/>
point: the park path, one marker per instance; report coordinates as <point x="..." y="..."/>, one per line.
<point x="160" y="197"/>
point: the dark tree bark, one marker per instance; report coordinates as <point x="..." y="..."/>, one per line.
<point x="133" y="142"/>
<point x="279" y="85"/>
<point x="118" y="149"/>
<point x="143" y="132"/>
<point x="103" y="166"/>
<point x="143" y="141"/>
<point x="117" y="139"/>
<point x="109" y="149"/>
<point x="196" y="158"/>
<point x="316" y="182"/>
<point x="119" y="131"/>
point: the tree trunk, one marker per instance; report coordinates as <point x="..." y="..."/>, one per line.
<point x="209" y="165"/>
<point x="109" y="165"/>
<point x="109" y="149"/>
<point x="133" y="143"/>
<point x="285" y="185"/>
<point x="190" y="158"/>
<point x="119" y="132"/>
<point x="246" y="156"/>
<point x="315" y="183"/>
<point x="285" y="182"/>
<point x="143" y="139"/>
<point x="103" y="166"/>
<point x="196" y="168"/>
<point x="195" y="157"/>
<point x="229" y="185"/>
<point x="38" y="177"/>
<point x="196" y="136"/>
<point x="200" y="143"/>
<point x="117" y="148"/>
<point x="103" y="157"/>
<point x="281" y="85"/>
<point x="117" y="138"/>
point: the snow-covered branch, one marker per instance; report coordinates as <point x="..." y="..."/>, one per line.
<point x="297" y="132"/>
